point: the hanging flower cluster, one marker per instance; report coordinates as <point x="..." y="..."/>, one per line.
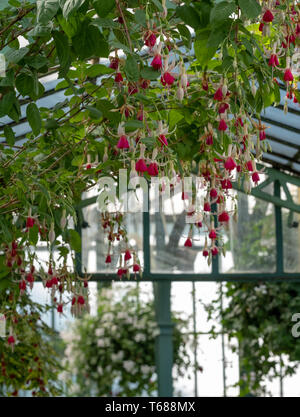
<point x="143" y="92"/>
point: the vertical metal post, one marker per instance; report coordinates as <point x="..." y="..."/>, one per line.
<point x="279" y="234"/>
<point x="195" y="340"/>
<point x="164" y="342"/>
<point x="223" y="345"/>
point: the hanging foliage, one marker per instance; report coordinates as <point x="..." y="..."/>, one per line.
<point x="162" y="88"/>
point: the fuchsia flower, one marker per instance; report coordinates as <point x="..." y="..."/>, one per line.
<point x="118" y="77"/>
<point x="288" y="76"/>
<point x="223" y="107"/>
<point x="188" y="243"/>
<point x="150" y="39"/>
<point x="268" y="16"/>
<point x="153" y="169"/>
<point x="156" y="62"/>
<point x="80" y="300"/>
<point x="226" y="184"/>
<point x="30" y="277"/>
<point x="163" y="140"/>
<point x="262" y="135"/>
<point x="108" y="259"/>
<point x="127" y="255"/>
<point x="60" y="308"/>
<point x="114" y="63"/>
<point x="167" y="79"/>
<point x="205" y="253"/>
<point x="212" y="234"/>
<point x="123" y="143"/>
<point x="22" y="285"/>
<point x="213" y="193"/>
<point x="30" y="222"/>
<point x="229" y="164"/>
<point x="255" y="177"/>
<point x="222" y="125"/>
<point x="206" y="206"/>
<point x="136" y="268"/>
<point x="273" y="61"/>
<point x="223" y="217"/>
<point x="214" y="251"/>
<point x="249" y="166"/>
<point x="218" y="96"/>
<point x="261" y="27"/>
<point x="11" y="340"/>
<point x="141" y="166"/>
<point x="209" y="140"/>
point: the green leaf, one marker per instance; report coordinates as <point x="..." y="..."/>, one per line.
<point x="103" y="8"/>
<point x="174" y="118"/>
<point x="34" y="118"/>
<point x="70" y="6"/>
<point x="75" y="240"/>
<point x="46" y="10"/>
<point x="94" y="112"/>
<point x="250" y="8"/>
<point x="14" y="56"/>
<point x="9" y="135"/>
<point x="90" y="42"/>
<point x="150" y="74"/>
<point x="70" y="26"/>
<point x="36" y="62"/>
<point x="204" y="53"/>
<point x="34" y="234"/>
<point x="7" y="102"/>
<point x="106" y="106"/>
<point x="4" y="4"/>
<point x="158" y="5"/>
<point x="140" y="17"/>
<point x="133" y="125"/>
<point x="98" y="69"/>
<point x="222" y="11"/>
<point x="189" y="15"/>
<point x="131" y="69"/>
<point x="62" y="49"/>
<point x="25" y="84"/>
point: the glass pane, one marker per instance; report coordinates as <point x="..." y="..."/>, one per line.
<point x="168" y="233"/>
<point x="250" y="240"/>
<point x="95" y="241"/>
<point x="291" y="240"/>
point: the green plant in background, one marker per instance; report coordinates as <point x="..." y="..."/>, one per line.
<point x="29" y="357"/>
<point x="112" y="353"/>
<point x="258" y="315"/>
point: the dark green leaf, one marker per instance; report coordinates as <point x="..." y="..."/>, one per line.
<point x="250" y="8"/>
<point x="94" y="112"/>
<point x="62" y="49"/>
<point x="14" y="56"/>
<point x="9" y="135"/>
<point x="189" y="15"/>
<point x="131" y="69"/>
<point x="25" y="84"/>
<point x="150" y="74"/>
<point x="103" y="7"/>
<point x="34" y="118"/>
<point x="90" y="42"/>
<point x="34" y="235"/>
<point x="75" y="241"/>
<point x="98" y="69"/>
<point x="222" y="11"/>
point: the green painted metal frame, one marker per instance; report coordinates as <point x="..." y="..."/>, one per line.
<point x="162" y="282"/>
